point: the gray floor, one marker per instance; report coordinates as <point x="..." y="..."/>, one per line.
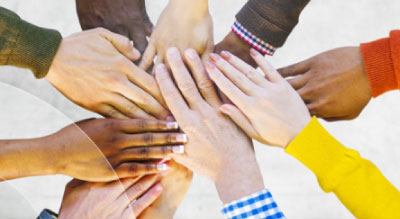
<point x="32" y="108"/>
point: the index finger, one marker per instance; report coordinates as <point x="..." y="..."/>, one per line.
<point x="174" y="99"/>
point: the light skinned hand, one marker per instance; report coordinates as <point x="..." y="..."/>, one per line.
<point x="266" y="107"/>
<point x="126" y="17"/>
<point x="124" y="199"/>
<point x="175" y="185"/>
<point x="102" y="150"/>
<point x="94" y="69"/>
<point x="183" y="24"/>
<point x="333" y="84"/>
<point x="216" y="147"/>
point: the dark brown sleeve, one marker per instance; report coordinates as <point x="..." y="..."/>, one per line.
<point x="271" y="20"/>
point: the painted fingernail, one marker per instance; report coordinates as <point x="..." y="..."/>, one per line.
<point x="226" y="55"/>
<point x="172" y="125"/>
<point x="253" y="52"/>
<point x="191" y="54"/>
<point x="162" y="167"/>
<point x="210" y="65"/>
<point x="173" y="52"/>
<point x="178" y="149"/>
<point x="214" y="57"/>
<point x="181" y="138"/>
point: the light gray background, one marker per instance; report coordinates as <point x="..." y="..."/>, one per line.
<point x="32" y="108"/>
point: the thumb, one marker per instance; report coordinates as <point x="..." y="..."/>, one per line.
<point x="122" y="44"/>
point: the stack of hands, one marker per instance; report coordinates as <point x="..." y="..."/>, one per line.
<point x="160" y="127"/>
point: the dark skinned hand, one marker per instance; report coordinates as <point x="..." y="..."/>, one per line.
<point x="333" y="84"/>
<point x="125" y="17"/>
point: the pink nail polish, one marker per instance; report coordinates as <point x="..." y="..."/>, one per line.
<point x="226" y="55"/>
<point x="253" y="52"/>
<point x="214" y="57"/>
<point x="210" y="65"/>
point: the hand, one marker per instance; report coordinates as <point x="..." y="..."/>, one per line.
<point x="333" y="84"/>
<point x="102" y="150"/>
<point x="216" y="147"/>
<point x="94" y="69"/>
<point x="126" y="17"/>
<point x="183" y="24"/>
<point x="235" y="45"/>
<point x="119" y="199"/>
<point x="176" y="184"/>
<point x="267" y="108"/>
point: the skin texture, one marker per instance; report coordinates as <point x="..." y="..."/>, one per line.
<point x="119" y="199"/>
<point x="183" y="24"/>
<point x="235" y="45"/>
<point x="98" y="150"/>
<point x="333" y="84"/>
<point x="216" y="147"/>
<point x="261" y="101"/>
<point x="126" y="17"/>
<point x="176" y="184"/>
<point x="94" y="69"/>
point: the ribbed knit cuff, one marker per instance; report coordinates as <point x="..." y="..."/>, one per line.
<point x="35" y="48"/>
<point x="378" y="64"/>
<point x="260" y="27"/>
<point x="257" y="43"/>
<point x="324" y="155"/>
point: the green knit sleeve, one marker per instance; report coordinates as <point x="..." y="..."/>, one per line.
<point x="25" y="45"/>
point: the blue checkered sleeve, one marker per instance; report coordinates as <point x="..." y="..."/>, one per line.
<point x="258" y="205"/>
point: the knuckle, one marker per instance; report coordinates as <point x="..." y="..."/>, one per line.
<point x="148" y="138"/>
<point x="205" y="84"/>
<point x="131" y="108"/>
<point x="186" y="85"/>
<point x="143" y="151"/>
<point x="100" y="30"/>
<point x="169" y="138"/>
<point x="133" y="168"/>
<point x="149" y="167"/>
<point x="141" y="124"/>
<point x="109" y="124"/>
<point x="138" y="187"/>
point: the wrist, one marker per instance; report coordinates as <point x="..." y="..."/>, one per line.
<point x="199" y="8"/>
<point x="238" y="178"/>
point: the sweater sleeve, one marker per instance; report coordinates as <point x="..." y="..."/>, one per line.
<point x="25" y="45"/>
<point x="358" y="183"/>
<point x="382" y="63"/>
<point x="269" y="22"/>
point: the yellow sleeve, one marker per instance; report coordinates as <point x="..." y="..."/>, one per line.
<point x="357" y="182"/>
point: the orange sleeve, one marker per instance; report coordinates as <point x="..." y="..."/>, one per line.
<point x="382" y="63"/>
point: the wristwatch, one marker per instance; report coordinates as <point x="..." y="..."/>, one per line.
<point x="47" y="214"/>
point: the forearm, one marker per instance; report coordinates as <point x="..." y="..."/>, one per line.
<point x="28" y="157"/>
<point x="267" y="24"/>
<point x="238" y="178"/>
<point x="358" y="184"/>
<point x="25" y="45"/>
<point x="194" y="8"/>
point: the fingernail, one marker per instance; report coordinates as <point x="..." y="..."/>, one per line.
<point x="210" y="65"/>
<point x="173" y="52"/>
<point x="170" y="119"/>
<point x="158" y="187"/>
<point x="191" y="54"/>
<point x="162" y="167"/>
<point x="178" y="149"/>
<point x="181" y="138"/>
<point x="214" y="57"/>
<point x="226" y="55"/>
<point x="136" y="53"/>
<point x="253" y="52"/>
<point x="224" y="109"/>
<point x="172" y="125"/>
